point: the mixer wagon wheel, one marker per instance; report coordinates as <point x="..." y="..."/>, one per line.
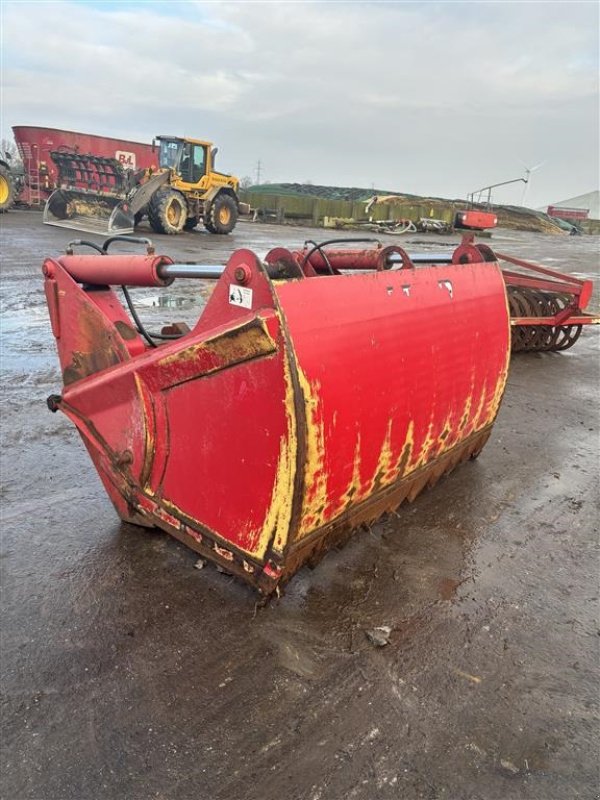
<point x="167" y="211"/>
<point x="222" y="214"/>
<point x="7" y="189"/>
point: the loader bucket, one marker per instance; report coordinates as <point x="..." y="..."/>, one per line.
<point x="91" y="196"/>
<point x="300" y="407"/>
<point x="88" y="211"/>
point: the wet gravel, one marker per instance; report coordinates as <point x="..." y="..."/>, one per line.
<point x="127" y="673"/>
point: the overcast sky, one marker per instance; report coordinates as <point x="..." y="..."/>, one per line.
<point x="423" y="97"/>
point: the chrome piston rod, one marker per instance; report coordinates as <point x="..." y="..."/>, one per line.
<point x="208" y="271"/>
<point x="214" y="271"/>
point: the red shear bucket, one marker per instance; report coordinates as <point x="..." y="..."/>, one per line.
<point x="300" y="406"/>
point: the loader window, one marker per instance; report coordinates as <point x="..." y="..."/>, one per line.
<point x="199" y="167"/>
<point x="169" y="153"/>
<point x="192" y="163"/>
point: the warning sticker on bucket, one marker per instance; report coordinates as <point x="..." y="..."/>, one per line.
<point x="240" y="296"/>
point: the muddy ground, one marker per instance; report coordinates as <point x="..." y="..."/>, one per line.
<point x="130" y="675"/>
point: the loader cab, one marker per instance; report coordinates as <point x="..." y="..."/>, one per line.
<point x="187" y="158"/>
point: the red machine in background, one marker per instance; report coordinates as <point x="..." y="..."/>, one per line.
<point x="41" y="173"/>
<point x="568" y="214"/>
<point x="472" y="219"/>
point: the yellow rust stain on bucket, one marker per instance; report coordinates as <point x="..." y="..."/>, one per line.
<point x="428" y="442"/>
<point x="145" y="400"/>
<point x="385" y="471"/>
<point x="464" y="420"/>
<point x="388" y="469"/>
<point x="279" y="515"/>
<point x="499" y="390"/>
<point x="406" y="451"/>
<point x="230" y="347"/>
<point x="443" y="438"/>
<point x="489" y="402"/>
<point x="315" y="474"/>
<point x="353" y="492"/>
<point x="486" y="412"/>
<point x="477" y="419"/>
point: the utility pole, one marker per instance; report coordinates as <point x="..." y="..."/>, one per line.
<point x="258" y="171"/>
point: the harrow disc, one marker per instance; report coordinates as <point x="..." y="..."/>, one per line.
<point x="526" y="302"/>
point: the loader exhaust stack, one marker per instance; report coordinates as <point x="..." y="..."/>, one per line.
<point x="301" y="406"/>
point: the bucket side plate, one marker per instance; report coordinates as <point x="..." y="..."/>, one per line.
<point x="402" y="374"/>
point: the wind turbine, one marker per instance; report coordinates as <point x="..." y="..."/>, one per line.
<point x="528" y="171"/>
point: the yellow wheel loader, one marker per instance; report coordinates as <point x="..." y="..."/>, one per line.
<point x="99" y="195"/>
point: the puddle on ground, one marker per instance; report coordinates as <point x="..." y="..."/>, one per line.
<point x="171" y="301"/>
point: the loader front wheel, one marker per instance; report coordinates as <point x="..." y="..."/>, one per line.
<point x="222" y="215"/>
<point x="167" y="211"/>
<point x="7" y="189"/>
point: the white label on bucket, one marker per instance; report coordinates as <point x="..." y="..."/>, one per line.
<point x="240" y="296"/>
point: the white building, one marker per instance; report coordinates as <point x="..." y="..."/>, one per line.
<point x="591" y="201"/>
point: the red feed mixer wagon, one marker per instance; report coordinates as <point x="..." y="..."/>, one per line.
<point x="36" y="143"/>
<point x="317" y="390"/>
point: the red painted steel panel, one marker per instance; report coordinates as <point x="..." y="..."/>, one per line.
<point x="397" y="367"/>
<point x="35" y="144"/>
<point x="226" y="434"/>
<point x="568" y="213"/>
<point x="294" y="409"/>
<point x="477" y="220"/>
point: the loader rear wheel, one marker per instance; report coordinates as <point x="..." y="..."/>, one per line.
<point x="7" y="189"/>
<point x="167" y="211"/>
<point x="222" y="215"/>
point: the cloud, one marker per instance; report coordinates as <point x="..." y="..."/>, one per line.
<point x="436" y="98"/>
